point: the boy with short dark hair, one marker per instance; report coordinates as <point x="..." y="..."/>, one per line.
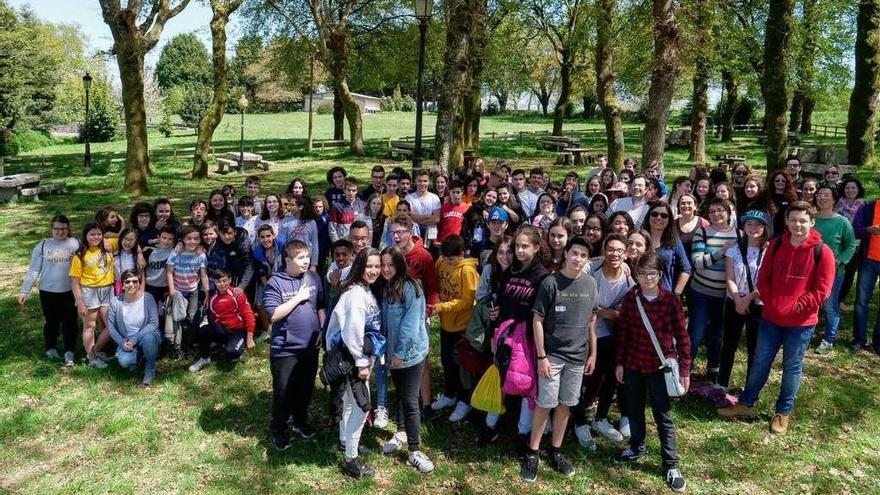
<point x="231" y="322"/>
<point x="452" y="213"/>
<point x="252" y="191"/>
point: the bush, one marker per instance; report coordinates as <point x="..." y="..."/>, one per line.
<point x="406" y="104"/>
<point x="492" y="108"/>
<point x="325" y="108"/>
<point x="166" y="126"/>
<point x="196" y="100"/>
<point x="745" y="111"/>
<point x="387" y="104"/>
<point x="104" y="119"/>
<point x="31" y="139"/>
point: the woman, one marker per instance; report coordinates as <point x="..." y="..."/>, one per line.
<point x="594" y="231"/>
<point x="832" y="176"/>
<point x="752" y="197"/>
<point x="297" y="188"/>
<point x="545" y="212"/>
<point x="681" y="186"/>
<point x="301" y="225"/>
<point x="593" y="187"/>
<point x="322" y="221"/>
<point x="599" y="203"/>
<point x="272" y="214"/>
<point x="703" y="191"/>
<point x="50" y="262"/>
<point x="143" y="221"/>
<point x="578" y="216"/>
<point x="638" y="366"/>
<point x="852" y="195"/>
<point x="670" y="250"/>
<point x="133" y="320"/>
<point x="638" y="243"/>
<point x="808" y="190"/>
<point x="267" y="258"/>
<point x="613" y="282"/>
<point x="620" y="223"/>
<point x="688" y="222"/>
<point x="355" y="319"/>
<point x="218" y="209"/>
<point x="709" y="282"/>
<point x="837" y="234"/>
<point x="780" y="192"/>
<point x="91" y="279"/>
<point x="607" y="178"/>
<point x="403" y="319"/>
<point x="558" y="234"/>
<point x="743" y="306"/>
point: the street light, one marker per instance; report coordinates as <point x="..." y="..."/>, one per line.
<point x="423" y="14"/>
<point x="87" y="158"/>
<point x="242" y="105"/>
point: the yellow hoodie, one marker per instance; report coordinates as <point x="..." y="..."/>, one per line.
<point x="458" y="289"/>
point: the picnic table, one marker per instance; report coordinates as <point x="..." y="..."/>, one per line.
<point x="580" y="156"/>
<point x="559" y="143"/>
<point x="248" y="161"/>
<point x="25" y="186"/>
<point x="406" y="149"/>
<point x="732" y="160"/>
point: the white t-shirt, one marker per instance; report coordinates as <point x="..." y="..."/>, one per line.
<point x="610" y="295"/>
<point x="755" y="258"/>
<point x="425" y="205"/>
<point x="133" y="315"/>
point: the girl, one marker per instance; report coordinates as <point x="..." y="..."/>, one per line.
<point x="356" y="316"/>
<point x="599" y="204"/>
<point x="111" y="223"/>
<point x="578" y="216"/>
<point x="724" y="191"/>
<point x="743" y="306"/>
<point x="593" y="187"/>
<point x="246" y="219"/>
<point x="709" y="285"/>
<point x="638" y="366"/>
<point x="837" y="234"/>
<point x="681" y="186"/>
<point x="301" y="225"/>
<point x="129" y="257"/>
<point x="625" y="176"/>
<point x="607" y="178"/>
<point x="808" y="190"/>
<point x="506" y="201"/>
<point x="620" y="223"/>
<point x="374" y="217"/>
<point x="441" y="187"/>
<point x="215" y="254"/>
<point x="546" y="211"/>
<point x="229" y="193"/>
<point x="91" y="278"/>
<point x="688" y="222"/>
<point x="702" y="191"/>
<point x="637" y="244"/>
<point x="752" y="197"/>
<point x="475" y="229"/>
<point x="143" y="221"/>
<point x="670" y="250"/>
<point x="272" y="214"/>
<point x="780" y="192"/>
<point x="594" y="232"/>
<point x="217" y="207"/>
<point x="557" y="236"/>
<point x="297" y="188"/>
<point x="164" y="214"/>
<point x="322" y="221"/>
<point x="50" y="262"/>
<point x="133" y="320"/>
<point x="403" y="319"/>
<point x="471" y="190"/>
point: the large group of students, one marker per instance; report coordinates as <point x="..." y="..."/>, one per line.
<point x="582" y="293"/>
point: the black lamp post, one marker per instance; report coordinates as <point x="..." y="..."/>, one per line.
<point x="87" y="157"/>
<point x="242" y="105"/>
<point x="423" y="14"/>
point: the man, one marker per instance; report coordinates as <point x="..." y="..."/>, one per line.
<point x="794" y="280"/>
<point x="344" y="212"/>
<point x="793" y="167"/>
<point x="403" y="184"/>
<point x="634" y="204"/>
<point x="866" y="225"/>
<point x="601" y="164"/>
<point x="571" y="194"/>
<point x="390" y="197"/>
<point x="564" y="329"/>
<point x="740" y="172"/>
<point x="425" y="207"/>
<point x="529" y="196"/>
<point x="518" y="183"/>
<point x="377" y="183"/>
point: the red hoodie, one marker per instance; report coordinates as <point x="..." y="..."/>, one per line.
<point x="421" y="267"/>
<point x="792" y="277"/>
<point x="232" y="312"/>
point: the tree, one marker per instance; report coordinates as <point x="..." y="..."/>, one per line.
<point x="544" y="75"/>
<point x="131" y="41"/>
<point x="703" y="20"/>
<point x="605" y="82"/>
<point x="220" y="10"/>
<point x="184" y="60"/>
<point x="728" y="104"/>
<point x="777" y="38"/>
<point x="664" y="73"/>
<point x="507" y="60"/>
<point x="860" y="125"/>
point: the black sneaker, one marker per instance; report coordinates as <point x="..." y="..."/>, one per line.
<point x="488" y="435"/>
<point x="529" y="467"/>
<point x="428" y="414"/>
<point x="174" y="355"/>
<point x="280" y="441"/>
<point x="356" y="469"/>
<point x="522" y="444"/>
<point x="675" y="480"/>
<point x="305" y="431"/>
<point x="629" y="455"/>
<point x="561" y="463"/>
<point x="362" y="449"/>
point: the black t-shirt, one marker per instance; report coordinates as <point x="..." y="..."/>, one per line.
<point x="518" y="291"/>
<point x="566" y="305"/>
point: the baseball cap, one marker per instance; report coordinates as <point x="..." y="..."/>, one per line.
<point x="757" y="216"/>
<point x="498" y="214"/>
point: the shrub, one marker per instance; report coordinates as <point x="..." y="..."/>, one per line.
<point x="104" y="119"/>
<point x="325" y="108"/>
<point x="745" y="111"/>
<point x="387" y="104"/>
<point x="196" y="100"/>
<point x="166" y="126"/>
<point x="492" y="108"/>
<point x="406" y="104"/>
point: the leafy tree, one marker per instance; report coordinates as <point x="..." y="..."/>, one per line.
<point x="861" y="120"/>
<point x="184" y="60"/>
<point x="196" y="100"/>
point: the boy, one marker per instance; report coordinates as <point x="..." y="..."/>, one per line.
<point x="390" y="197"/>
<point x="185" y="272"/>
<point x="231" y="322"/>
<point x="252" y="190"/>
<point x="564" y="329"/>
<point x="342" y="255"/>
<point x="295" y="304"/>
<point x="452" y="213"/>
<point x="156" y="280"/>
<point x="344" y="212"/>
<point x="239" y="259"/>
<point x="458" y="278"/>
<point x="247" y="218"/>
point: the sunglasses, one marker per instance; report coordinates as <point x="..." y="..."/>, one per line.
<point x="657" y="214"/>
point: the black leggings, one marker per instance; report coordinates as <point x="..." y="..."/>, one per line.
<point x="233" y="340"/>
<point x="733" y="326"/>
<point x="452" y="386"/>
<point x="293" y="384"/>
<point x="600" y="385"/>
<point x="59" y="308"/>
<point x="406" y="382"/>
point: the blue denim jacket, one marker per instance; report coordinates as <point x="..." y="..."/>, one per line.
<point x="405" y="327"/>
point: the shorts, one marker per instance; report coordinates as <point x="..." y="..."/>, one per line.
<point x="563" y="386"/>
<point x="97" y="297"/>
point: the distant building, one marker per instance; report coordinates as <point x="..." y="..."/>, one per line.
<point x="368" y="104"/>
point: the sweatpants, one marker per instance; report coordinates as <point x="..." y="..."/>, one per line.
<point x="180" y="334"/>
<point x="638" y="387"/>
<point x="408" y="417"/>
<point x="293" y="384"/>
<point x="232" y="340"/>
<point x="59" y="309"/>
<point x="452" y="386"/>
<point x="352" y="422"/>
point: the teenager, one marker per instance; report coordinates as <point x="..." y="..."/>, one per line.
<point x="564" y="331"/>
<point x="376" y="185"/>
<point x="780" y="192"/>
<point x="143" y="219"/>
<point x="128" y="257"/>
<point x="545" y="212"/>
<point x="462" y="219"/>
<point x="390" y="197"/>
<point x="639" y="368"/>
<point x="50" y="263"/>
<point x="374" y="217"/>
<point x="252" y="190"/>
<point x="215" y="253"/>
<point x="273" y="213"/>
<point x="508" y="202"/>
<point x="322" y="221"/>
<point x="595" y="230"/>
<point x="231" y="323"/>
<point x="246" y="219"/>
<point x="164" y="214"/>
<point x="403" y="318"/>
<point x="218" y="208"/>
<point x="688" y="222"/>
<point x="345" y="211"/>
<point x="155" y="278"/>
<point x="186" y="272"/>
<point x="133" y="320"/>
<point x="91" y="280"/>
<point x="336" y="181"/>
<point x="300" y="225"/>
<point x="619" y="222"/>
<point x="425" y="207"/>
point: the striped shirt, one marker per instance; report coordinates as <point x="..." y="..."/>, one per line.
<point x="709" y="277"/>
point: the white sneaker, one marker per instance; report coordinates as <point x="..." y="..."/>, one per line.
<point x="492" y="420"/>
<point x="824" y="347"/>
<point x="198" y="365"/>
<point x="97" y="363"/>
<point x="380" y="419"/>
<point x="420" y="461"/>
<point x="461" y="411"/>
<point x="623" y="427"/>
<point x="443" y="402"/>
<point x="395" y="444"/>
<point x="68" y="358"/>
<point x="585" y="438"/>
<point x="53" y="355"/>
<point x="604" y="428"/>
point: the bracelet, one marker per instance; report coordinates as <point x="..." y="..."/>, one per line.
<point x="541" y="357"/>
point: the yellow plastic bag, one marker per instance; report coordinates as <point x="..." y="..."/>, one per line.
<point x="487" y="396"/>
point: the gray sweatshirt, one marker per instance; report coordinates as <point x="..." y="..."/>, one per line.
<point x="50" y="261"/>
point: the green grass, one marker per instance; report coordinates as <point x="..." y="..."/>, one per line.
<point x="93" y="431"/>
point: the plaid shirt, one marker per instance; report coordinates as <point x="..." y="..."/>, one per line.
<point x="634" y="348"/>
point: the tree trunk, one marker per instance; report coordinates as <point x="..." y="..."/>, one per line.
<point x="455" y="79"/>
<point x="566" y="57"/>
<point x="777" y="39"/>
<point x="589" y="101"/>
<point x="543" y="96"/>
<point x="797" y="108"/>
<point x="700" y="104"/>
<point x="807" y="116"/>
<point x="806" y="66"/>
<point x="863" y="100"/>
<point x="605" y="83"/>
<point x="502" y="97"/>
<point x="664" y="72"/>
<point x="728" y="109"/>
<point x="338" y="117"/>
<point x="215" y="112"/>
<point x="476" y="66"/>
<point x="338" y="67"/>
<point x="137" y="155"/>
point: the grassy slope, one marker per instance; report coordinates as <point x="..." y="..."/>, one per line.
<point x="93" y="431"/>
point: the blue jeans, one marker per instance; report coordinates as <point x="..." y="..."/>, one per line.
<point x="706" y="320"/>
<point x="148" y="347"/>
<point x="868" y="274"/>
<point x="832" y="307"/>
<point x="794" y="342"/>
<point x="381" y="372"/>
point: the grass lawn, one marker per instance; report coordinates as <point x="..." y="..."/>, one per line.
<point x="96" y="431"/>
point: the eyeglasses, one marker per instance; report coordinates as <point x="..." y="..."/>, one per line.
<point x="739" y="172"/>
<point x="658" y="214"/>
<point x="832" y="172"/>
<point x="398" y="233"/>
<point x="651" y="274"/>
<point x="617" y="251"/>
<point x="592" y="228"/>
<point x="133" y="281"/>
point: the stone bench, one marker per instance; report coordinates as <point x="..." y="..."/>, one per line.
<point x="399" y="153"/>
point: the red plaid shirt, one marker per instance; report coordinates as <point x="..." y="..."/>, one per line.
<point x="634" y="348"/>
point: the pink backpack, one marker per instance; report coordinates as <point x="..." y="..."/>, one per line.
<point x="515" y="356"/>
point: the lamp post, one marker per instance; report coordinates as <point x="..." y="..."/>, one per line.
<point x="87" y="157"/>
<point x="242" y="105"/>
<point x="423" y="14"/>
